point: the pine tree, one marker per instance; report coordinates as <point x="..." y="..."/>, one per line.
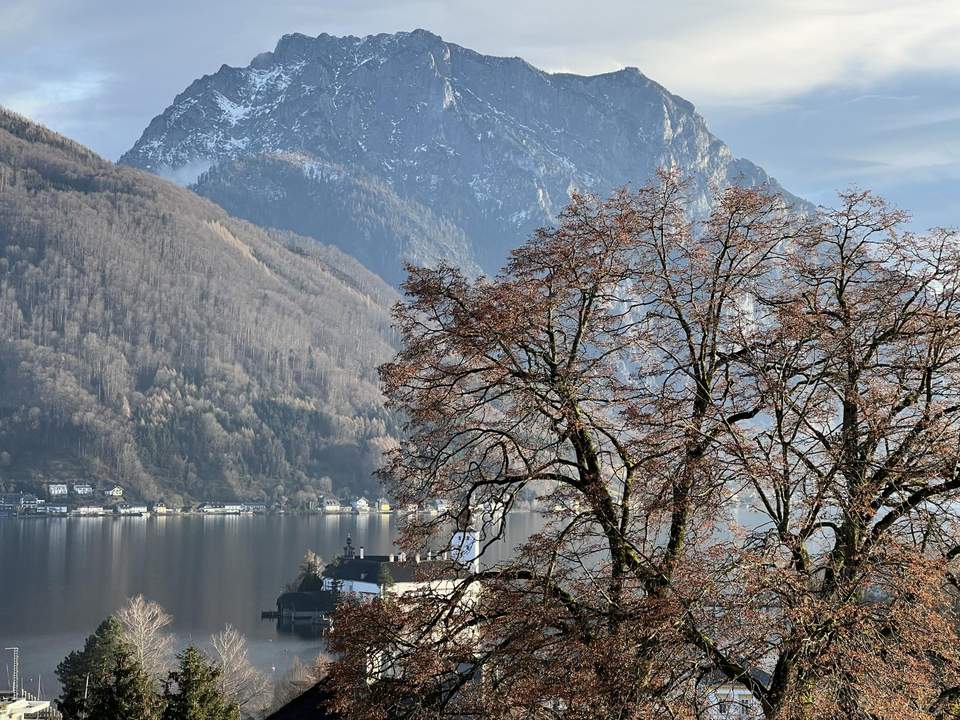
<point x="82" y="671"/>
<point x="192" y="691"/>
<point x="126" y="693"/>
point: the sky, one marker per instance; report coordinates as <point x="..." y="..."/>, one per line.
<point x="822" y="94"/>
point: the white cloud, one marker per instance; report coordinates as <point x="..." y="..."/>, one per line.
<point x="737" y="50"/>
<point x="48" y="100"/>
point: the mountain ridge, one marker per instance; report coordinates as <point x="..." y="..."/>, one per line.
<point x="492" y="145"/>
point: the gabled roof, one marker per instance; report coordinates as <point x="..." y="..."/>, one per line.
<point x="313" y="704"/>
<point x="315" y="601"/>
<point x="369" y="569"/>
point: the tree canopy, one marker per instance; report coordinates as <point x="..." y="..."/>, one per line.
<point x="747" y="426"/>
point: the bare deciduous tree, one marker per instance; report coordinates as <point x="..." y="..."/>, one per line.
<point x="657" y="374"/>
<point x="145" y="626"/>
<point x="241" y="683"/>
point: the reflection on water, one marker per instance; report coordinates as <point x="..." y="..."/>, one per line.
<point x="59" y="577"/>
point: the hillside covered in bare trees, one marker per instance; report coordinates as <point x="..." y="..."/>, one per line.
<point x="148" y="338"/>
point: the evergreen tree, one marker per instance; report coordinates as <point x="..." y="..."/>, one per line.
<point x="82" y="671"/>
<point x="126" y="693"/>
<point x="193" y="692"/>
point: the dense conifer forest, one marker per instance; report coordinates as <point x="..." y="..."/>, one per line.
<point x="148" y="338"/>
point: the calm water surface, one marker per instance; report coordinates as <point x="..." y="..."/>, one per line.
<point x="59" y="577"/>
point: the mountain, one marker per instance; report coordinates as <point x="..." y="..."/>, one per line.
<point x="150" y="339"/>
<point x="334" y="204"/>
<point x="470" y="153"/>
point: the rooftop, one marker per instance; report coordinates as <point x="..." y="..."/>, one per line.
<point x="370" y="567"/>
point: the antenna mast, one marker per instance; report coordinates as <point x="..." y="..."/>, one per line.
<point x="15" y="684"/>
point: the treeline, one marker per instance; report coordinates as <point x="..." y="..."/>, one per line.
<point x="148" y="338"/>
<point x="128" y="669"/>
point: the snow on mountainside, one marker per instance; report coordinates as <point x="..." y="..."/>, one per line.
<point x="489" y="147"/>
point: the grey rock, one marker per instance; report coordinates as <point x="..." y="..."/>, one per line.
<point x="477" y="151"/>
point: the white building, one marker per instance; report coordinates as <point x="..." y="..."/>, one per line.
<point x="360" y="505"/>
<point x="83" y="489"/>
<point x="332" y="506"/>
<point x="728" y="700"/>
<point x="57" y="490"/>
<point x="89" y="510"/>
<point x="220" y="508"/>
<point x="116" y="491"/>
<point x="53" y="510"/>
<point x="372" y="576"/>
<point x="20" y="708"/>
<point x="128" y="509"/>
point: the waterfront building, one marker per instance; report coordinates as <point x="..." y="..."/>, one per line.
<point x="383" y="505"/>
<point x="360" y="505"/>
<point x="17" y="503"/>
<point x="216" y="508"/>
<point x="128" y="509"/>
<point x="56" y="490"/>
<point x="53" y="510"/>
<point x="88" y="510"/>
<point x="331" y="506"/>
<point x="371" y="576"/>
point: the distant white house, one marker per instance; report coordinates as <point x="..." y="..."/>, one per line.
<point x="332" y="506"/>
<point x="89" y="510"/>
<point x="220" y="508"/>
<point x="56" y="490"/>
<point x="128" y="509"/>
<point x="360" y="505"/>
<point x="82" y="489"/>
<point x="53" y="510"/>
<point x="116" y="491"/>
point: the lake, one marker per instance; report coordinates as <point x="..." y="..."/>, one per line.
<point x="59" y="578"/>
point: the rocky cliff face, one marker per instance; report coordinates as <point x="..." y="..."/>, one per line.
<point x="481" y="149"/>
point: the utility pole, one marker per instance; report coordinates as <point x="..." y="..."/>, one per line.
<point x="15" y="683"/>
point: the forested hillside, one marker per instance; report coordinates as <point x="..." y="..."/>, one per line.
<point x="333" y="203"/>
<point x="148" y="338"/>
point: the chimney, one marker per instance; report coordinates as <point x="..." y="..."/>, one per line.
<point x="361" y="552"/>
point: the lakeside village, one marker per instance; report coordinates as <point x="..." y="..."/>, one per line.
<point x="84" y="500"/>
